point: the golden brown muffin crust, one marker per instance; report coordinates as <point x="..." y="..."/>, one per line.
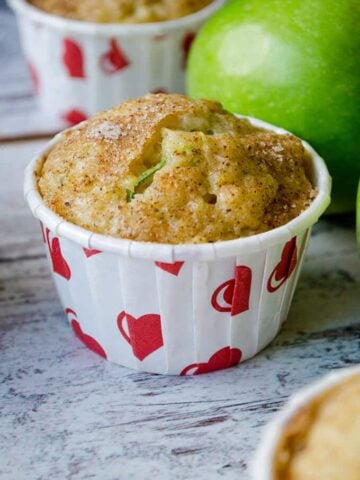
<point x="168" y="169"/>
<point x="121" y="11"/>
<point x="322" y="440"/>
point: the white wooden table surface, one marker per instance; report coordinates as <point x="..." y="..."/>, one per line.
<point x="67" y="414"/>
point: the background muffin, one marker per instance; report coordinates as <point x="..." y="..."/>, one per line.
<point x="316" y="435"/>
<point x="168" y="169"/>
<point x="322" y="440"/>
<point x="129" y="11"/>
<point x="82" y="64"/>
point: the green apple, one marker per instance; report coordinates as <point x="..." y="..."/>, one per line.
<point x="293" y="63"/>
<point x="358" y="218"/>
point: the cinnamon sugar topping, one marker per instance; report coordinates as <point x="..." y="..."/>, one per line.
<point x="165" y="168"/>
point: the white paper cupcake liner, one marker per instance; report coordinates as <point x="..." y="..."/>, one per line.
<point x="263" y="464"/>
<point x="80" y="68"/>
<point x="177" y="309"/>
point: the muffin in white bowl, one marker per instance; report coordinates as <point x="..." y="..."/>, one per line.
<point x="317" y="434"/>
<point x="86" y="56"/>
<point x="176" y="231"/>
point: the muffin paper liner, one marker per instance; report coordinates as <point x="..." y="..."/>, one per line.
<point x="80" y="68"/>
<point x="176" y="309"/>
<point x="262" y="465"/>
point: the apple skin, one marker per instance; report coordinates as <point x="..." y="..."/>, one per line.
<point x="293" y="63"/>
<point x="358" y="218"/>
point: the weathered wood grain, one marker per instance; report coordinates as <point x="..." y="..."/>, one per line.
<point x="67" y="414"/>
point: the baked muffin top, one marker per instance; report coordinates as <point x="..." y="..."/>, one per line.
<point x="168" y="169"/>
<point x="322" y="441"/>
<point x="121" y="11"/>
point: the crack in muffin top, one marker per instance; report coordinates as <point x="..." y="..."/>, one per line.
<point x="168" y="169"/>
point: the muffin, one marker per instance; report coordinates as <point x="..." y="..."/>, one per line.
<point x="317" y="436"/>
<point x="167" y="169"/>
<point x="86" y="56"/>
<point x="175" y="231"/>
<point x="322" y="440"/>
<point x="127" y="11"/>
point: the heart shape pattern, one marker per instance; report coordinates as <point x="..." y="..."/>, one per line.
<point x="87" y="340"/>
<point x="74" y="116"/>
<point x="91" y="252"/>
<point x="285" y="267"/>
<point x="73" y="58"/>
<point x="144" y="333"/>
<point x="114" y="59"/>
<point x="224" y="358"/>
<point x="234" y="295"/>
<point x="59" y="264"/>
<point x="173" y="268"/>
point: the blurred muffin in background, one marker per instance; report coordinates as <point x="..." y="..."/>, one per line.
<point x="86" y="56"/>
<point x="127" y="11"/>
<point x="322" y="440"/>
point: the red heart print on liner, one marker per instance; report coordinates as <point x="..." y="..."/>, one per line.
<point x="114" y="59"/>
<point x="234" y="295"/>
<point x="34" y="77"/>
<point x="144" y="333"/>
<point x="90" y="342"/>
<point x="90" y="253"/>
<point x="59" y="264"/>
<point x="74" y="116"/>
<point x="173" y="268"/>
<point x="224" y="358"/>
<point x="186" y="45"/>
<point x="285" y="267"/>
<point x="73" y="58"/>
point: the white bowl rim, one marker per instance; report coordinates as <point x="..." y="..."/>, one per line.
<point x="109" y="29"/>
<point x="181" y="252"/>
<point x="262" y="465"/>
